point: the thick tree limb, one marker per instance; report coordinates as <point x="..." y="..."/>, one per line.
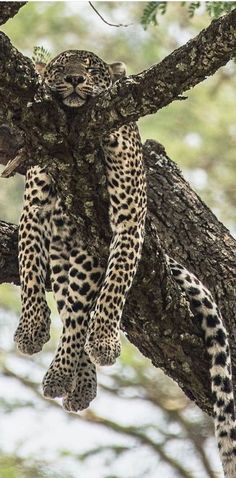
<point x="151" y="90"/>
<point x="127" y="100"/>
<point x="157" y="318"/>
<point x="9" y="10"/>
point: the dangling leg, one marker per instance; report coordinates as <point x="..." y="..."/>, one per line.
<point x="34" y="237"/>
<point x="127" y="190"/>
<point x="103" y="342"/>
<point x="71" y="372"/>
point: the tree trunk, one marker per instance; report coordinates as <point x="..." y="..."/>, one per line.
<point x="157" y="318"/>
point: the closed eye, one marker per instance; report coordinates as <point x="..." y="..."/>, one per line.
<point x="93" y="70"/>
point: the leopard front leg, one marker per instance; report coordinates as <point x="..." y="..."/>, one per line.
<point x="127" y="190"/>
<point x="71" y="371"/>
<point x="34" y="237"/>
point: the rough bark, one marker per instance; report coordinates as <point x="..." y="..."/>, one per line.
<point x="9" y="10"/>
<point x="157" y="318"/>
<point x="126" y="101"/>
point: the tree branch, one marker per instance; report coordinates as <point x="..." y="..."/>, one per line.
<point x="9" y="10"/>
<point x="151" y="90"/>
<point x="157" y="318"/>
<point x="126" y="101"/>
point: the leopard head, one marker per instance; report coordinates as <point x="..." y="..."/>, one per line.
<point x="77" y="75"/>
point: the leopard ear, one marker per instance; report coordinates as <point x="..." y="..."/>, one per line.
<point x="117" y="70"/>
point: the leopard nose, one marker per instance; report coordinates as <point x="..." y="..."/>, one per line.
<point x="75" y="79"/>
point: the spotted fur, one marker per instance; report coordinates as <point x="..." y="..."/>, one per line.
<point x="34" y="238"/>
<point x="209" y="317"/>
<point x="76" y="278"/>
<point x="90" y="300"/>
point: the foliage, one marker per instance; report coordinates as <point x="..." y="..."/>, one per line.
<point x="214" y="9"/>
<point x="40" y="55"/>
<point x="150" y="12"/>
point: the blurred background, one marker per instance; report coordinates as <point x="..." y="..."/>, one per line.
<point x="141" y="424"/>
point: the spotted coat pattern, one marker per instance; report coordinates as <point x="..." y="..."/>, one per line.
<point x="209" y="317"/>
<point x="90" y="300"/>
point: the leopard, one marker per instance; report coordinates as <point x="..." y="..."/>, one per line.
<point x="90" y="298"/>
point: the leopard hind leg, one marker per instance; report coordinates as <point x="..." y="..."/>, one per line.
<point x="71" y="372"/>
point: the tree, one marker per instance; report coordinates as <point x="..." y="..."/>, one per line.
<point x="40" y="131"/>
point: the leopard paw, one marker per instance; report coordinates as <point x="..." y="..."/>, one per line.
<point x="85" y="389"/>
<point x="32" y="341"/>
<point x="103" y="351"/>
<point x="57" y="383"/>
<point x="79" y="400"/>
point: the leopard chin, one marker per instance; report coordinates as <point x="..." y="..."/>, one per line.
<point x="74" y="101"/>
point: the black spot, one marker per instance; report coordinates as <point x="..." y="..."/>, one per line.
<point x="227" y="385"/>
<point x="61" y="279"/>
<point x="212" y="321"/>
<point x="73" y="272"/>
<point x="77" y="306"/>
<point x="123" y="218"/>
<point x="221" y="418"/>
<point x="80" y="258"/>
<point x="60" y="304"/>
<point x="81" y="276"/>
<point x="195" y="303"/>
<point x="223" y="434"/>
<point x="220" y="359"/>
<point x="85" y="288"/>
<point x="207" y="303"/>
<point x="199" y="316"/>
<point x="95" y="276"/>
<point x="68" y="322"/>
<point x="59" y="222"/>
<point x="220" y="337"/>
<point x="95" y="262"/>
<point x="230" y="408"/>
<point x="46" y="188"/>
<point x="56" y="288"/>
<point x="79" y="320"/>
<point x="35" y="201"/>
<point x="56" y="269"/>
<point x="114" y="199"/>
<point x="87" y="266"/>
<point x="209" y="342"/>
<point x="74" y="286"/>
<point x="217" y="380"/>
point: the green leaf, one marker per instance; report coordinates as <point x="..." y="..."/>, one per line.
<point x="149" y="14"/>
<point x="40" y="55"/>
